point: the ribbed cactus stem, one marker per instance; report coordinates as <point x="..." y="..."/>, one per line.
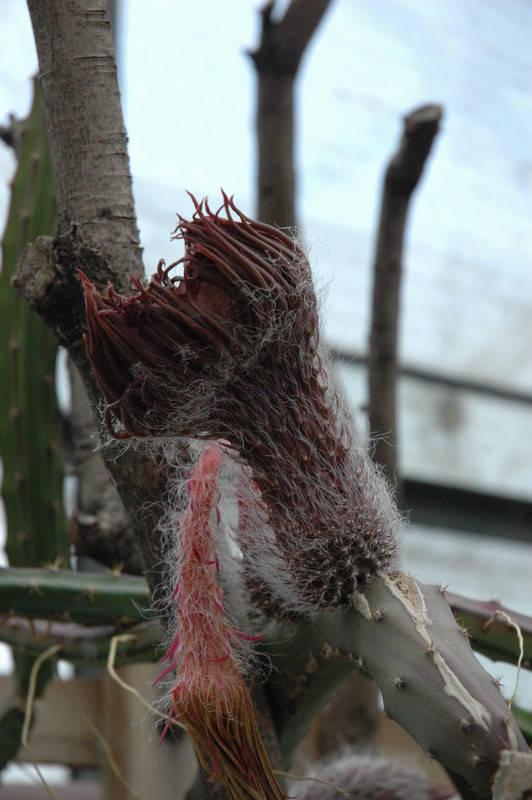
<point x="29" y="418"/>
<point x="82" y="597"/>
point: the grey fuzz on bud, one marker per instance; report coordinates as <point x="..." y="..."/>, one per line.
<point x="365" y="777"/>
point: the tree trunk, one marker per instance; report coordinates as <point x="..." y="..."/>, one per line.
<point x="88" y="141"/>
<point x="95" y="209"/>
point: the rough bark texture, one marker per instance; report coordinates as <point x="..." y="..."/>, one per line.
<point x="97" y="225"/>
<point x="401" y="178"/>
<point x="277" y="61"/>
<point x="88" y="142"/>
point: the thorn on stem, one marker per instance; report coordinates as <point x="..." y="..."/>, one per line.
<point x="465" y="629"/>
<point x="465" y="725"/>
<point x="398" y="682"/>
<point x="431" y="650"/>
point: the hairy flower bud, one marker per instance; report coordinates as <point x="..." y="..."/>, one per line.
<point x="230" y="349"/>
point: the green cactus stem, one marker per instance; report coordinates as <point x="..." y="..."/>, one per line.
<point x="404" y="635"/>
<point x="29" y="418"/>
<point x="492" y="629"/>
<point x="86" y="598"/>
<point x="401" y="633"/>
<point x="30" y="424"/>
<point x="524" y="720"/>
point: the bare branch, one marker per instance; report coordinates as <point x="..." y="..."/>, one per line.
<point x="277" y="61"/>
<point x="401" y="178"/>
<point x="283" y="43"/>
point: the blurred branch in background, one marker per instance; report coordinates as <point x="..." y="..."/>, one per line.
<point x="401" y="179"/>
<point x="277" y="61"/>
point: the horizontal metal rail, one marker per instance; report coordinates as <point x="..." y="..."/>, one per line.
<point x="452" y="507"/>
<point x="459" y="509"/>
<point x="417" y="373"/>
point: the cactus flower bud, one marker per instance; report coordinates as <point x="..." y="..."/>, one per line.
<point x="230" y="349"/>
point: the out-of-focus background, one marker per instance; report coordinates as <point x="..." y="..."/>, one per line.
<point x="465" y="389"/>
